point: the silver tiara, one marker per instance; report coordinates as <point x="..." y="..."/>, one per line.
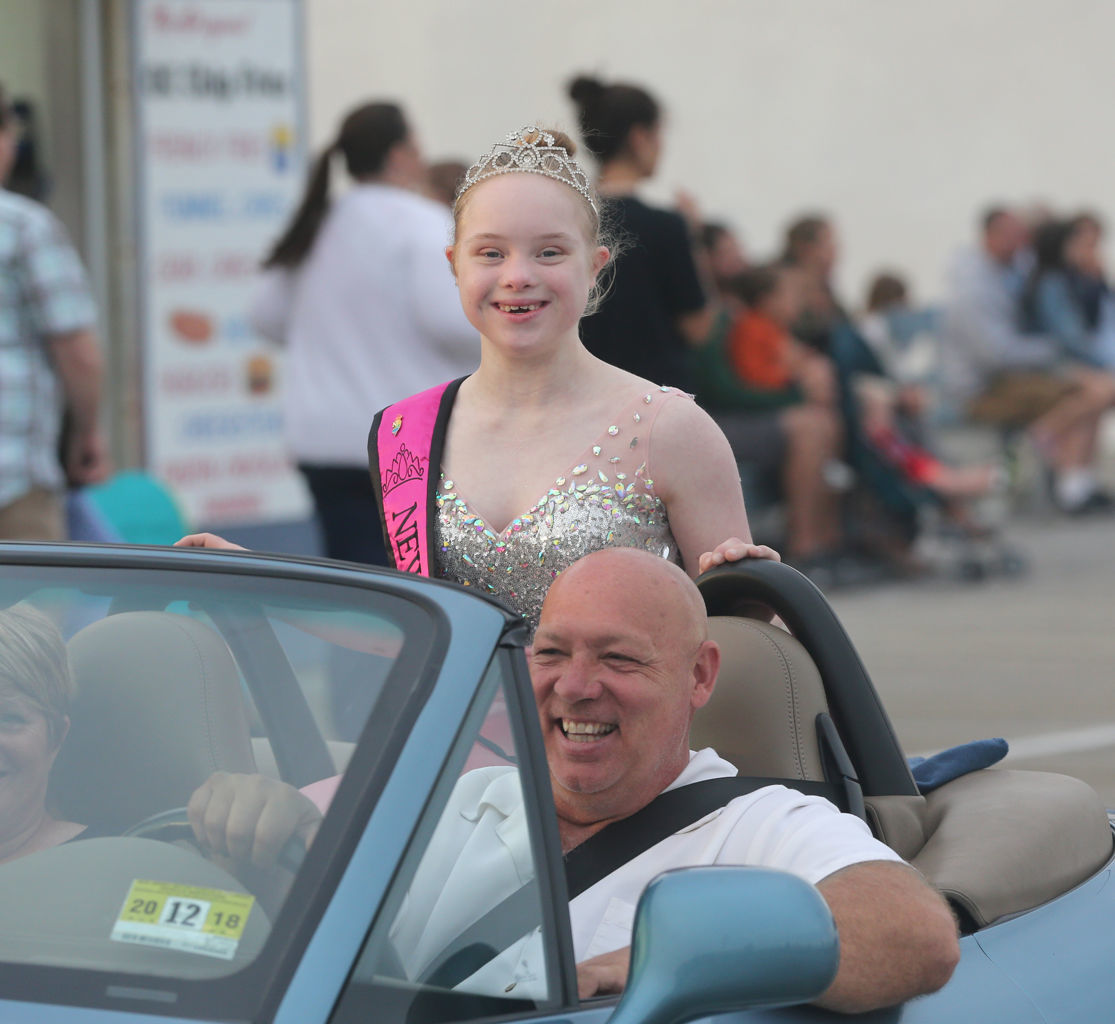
<point x="530" y="150"/>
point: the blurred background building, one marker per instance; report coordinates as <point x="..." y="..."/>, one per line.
<point x="172" y="137"/>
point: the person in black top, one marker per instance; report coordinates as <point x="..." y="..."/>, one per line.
<point x="656" y="306"/>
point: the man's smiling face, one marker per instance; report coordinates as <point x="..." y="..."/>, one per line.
<point x="619" y="663"/>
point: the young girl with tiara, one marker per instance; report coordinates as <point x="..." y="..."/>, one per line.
<point x="503" y="478"/>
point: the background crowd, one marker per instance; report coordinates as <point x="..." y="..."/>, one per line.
<point x="834" y="406"/>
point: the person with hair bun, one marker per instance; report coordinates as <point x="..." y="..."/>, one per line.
<point x="502" y="479"/>
<point x="356" y="289"/>
<point x="657" y="307"/>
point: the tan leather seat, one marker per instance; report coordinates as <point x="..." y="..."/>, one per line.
<point x="995" y="842"/>
<point x="158" y="709"/>
<point x="763" y="713"/>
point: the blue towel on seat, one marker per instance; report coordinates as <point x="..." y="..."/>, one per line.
<point x="931" y="772"/>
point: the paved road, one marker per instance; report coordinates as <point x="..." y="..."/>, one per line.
<point x="1030" y="659"/>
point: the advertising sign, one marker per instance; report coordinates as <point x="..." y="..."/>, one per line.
<point x="220" y="165"/>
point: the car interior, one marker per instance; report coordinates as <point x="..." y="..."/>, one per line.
<point x="996" y="842"/>
<point x="118" y="708"/>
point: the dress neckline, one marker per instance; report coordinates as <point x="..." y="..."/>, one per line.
<point x="619" y="424"/>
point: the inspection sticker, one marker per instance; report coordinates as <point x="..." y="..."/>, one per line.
<point x="183" y="917"/>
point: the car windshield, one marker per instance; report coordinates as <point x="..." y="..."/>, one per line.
<point x="121" y="691"/>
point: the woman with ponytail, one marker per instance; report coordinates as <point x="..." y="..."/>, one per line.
<point x="357" y="290"/>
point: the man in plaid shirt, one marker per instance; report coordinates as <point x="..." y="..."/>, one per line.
<point x="49" y="356"/>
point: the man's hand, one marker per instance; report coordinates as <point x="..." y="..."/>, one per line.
<point x="78" y="362"/>
<point x="250" y="817"/>
<point x="732" y="550"/>
<point x="208" y="540"/>
<point x="604" y="975"/>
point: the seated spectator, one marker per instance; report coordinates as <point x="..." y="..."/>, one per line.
<point x="999" y="375"/>
<point x="811" y="246"/>
<point x="620" y="662"/>
<point x="1097" y="293"/>
<point x="1064" y="290"/>
<point x="885" y="521"/>
<point x="1094" y="287"/>
<point x="724" y="258"/>
<point x="775" y="401"/>
<point x="902" y="336"/>
<point x="767" y="358"/>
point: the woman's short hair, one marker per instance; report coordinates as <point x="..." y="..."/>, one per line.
<point x="34" y="664"/>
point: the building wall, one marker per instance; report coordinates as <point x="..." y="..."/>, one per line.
<point x="901" y="119"/>
<point x="22" y="55"/>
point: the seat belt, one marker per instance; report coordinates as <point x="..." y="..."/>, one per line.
<point x="624" y="840"/>
<point x="593" y="860"/>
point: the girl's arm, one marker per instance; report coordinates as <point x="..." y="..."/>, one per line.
<point x="696" y="476"/>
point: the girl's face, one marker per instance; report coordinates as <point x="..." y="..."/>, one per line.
<point x="524" y="261"/>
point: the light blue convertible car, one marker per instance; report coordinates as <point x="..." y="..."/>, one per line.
<point x="375" y="692"/>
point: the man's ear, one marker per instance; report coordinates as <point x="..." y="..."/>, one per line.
<point x="706" y="667"/>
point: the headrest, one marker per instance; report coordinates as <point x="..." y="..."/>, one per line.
<point x="763" y="713"/>
<point x="158" y="709"/>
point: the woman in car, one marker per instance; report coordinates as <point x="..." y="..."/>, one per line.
<point x="35" y="693"/>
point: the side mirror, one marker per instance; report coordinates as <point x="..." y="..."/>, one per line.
<point x="715" y="939"/>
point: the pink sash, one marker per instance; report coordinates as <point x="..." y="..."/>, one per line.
<point x="404" y="453"/>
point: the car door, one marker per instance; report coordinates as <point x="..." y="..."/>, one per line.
<point x="474" y="923"/>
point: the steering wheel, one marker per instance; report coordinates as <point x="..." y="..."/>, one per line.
<point x="174" y="825"/>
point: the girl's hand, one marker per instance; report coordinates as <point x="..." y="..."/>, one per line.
<point x="732" y="550"/>
<point x="207" y="540"/>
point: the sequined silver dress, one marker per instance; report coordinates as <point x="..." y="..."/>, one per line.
<point x="606" y="499"/>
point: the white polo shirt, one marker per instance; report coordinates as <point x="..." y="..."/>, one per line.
<point x="480" y="854"/>
<point x="773" y="827"/>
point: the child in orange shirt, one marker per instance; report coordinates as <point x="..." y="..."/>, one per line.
<point x="770" y="363"/>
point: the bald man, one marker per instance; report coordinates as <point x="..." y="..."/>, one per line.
<point x="620" y="662"/>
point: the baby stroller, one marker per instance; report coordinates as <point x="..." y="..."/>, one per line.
<point x="914" y="523"/>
